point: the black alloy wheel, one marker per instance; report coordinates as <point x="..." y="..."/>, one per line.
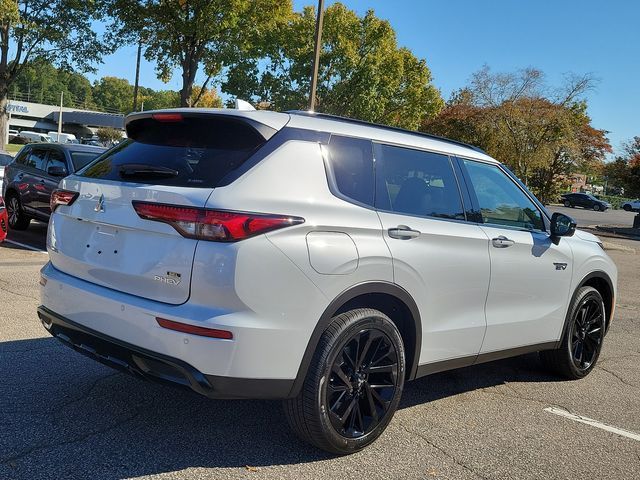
<point x="580" y="347"/>
<point x="567" y="203"/>
<point x="596" y="207"/>
<point x="362" y="384"/>
<point x="17" y="219"/>
<point x="353" y="384"/>
<point x="587" y="333"/>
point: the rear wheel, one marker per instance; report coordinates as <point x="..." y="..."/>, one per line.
<point x="567" y="203"/>
<point x="17" y="218"/>
<point x="353" y="385"/>
<point x="583" y="337"/>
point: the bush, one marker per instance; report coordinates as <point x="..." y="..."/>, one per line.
<point x="615" y="202"/>
<point x="18" y="140"/>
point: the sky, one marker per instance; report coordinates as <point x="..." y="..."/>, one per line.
<point x="458" y="37"/>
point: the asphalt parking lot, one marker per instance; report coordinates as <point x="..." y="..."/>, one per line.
<point x="65" y="416"/>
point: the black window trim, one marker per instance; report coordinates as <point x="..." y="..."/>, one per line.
<point x="476" y="204"/>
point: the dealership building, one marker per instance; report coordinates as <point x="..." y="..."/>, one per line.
<point x="37" y="117"/>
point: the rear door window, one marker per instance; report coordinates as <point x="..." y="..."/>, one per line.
<point x="37" y="158"/>
<point x="416" y="182"/>
<point x="196" y="151"/>
<point x="56" y="159"/>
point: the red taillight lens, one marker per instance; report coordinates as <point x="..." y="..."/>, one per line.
<point x="213" y="225"/>
<point x="167" y="117"/>
<point x="62" y="197"/>
<point x="194" y="330"/>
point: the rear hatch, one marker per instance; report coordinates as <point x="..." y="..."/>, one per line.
<point x="172" y="157"/>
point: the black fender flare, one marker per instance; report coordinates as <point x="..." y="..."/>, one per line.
<point x="350" y="293"/>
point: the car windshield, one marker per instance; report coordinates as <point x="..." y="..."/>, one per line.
<point x="82" y="159"/>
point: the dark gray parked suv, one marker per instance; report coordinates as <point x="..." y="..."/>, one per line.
<point x="35" y="173"/>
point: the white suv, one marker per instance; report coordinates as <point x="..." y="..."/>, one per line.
<point x="316" y="259"/>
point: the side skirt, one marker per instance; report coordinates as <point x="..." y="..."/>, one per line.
<point x="452" y="364"/>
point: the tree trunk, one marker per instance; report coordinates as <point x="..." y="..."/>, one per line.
<point x="189" y="70"/>
<point x="4" y="120"/>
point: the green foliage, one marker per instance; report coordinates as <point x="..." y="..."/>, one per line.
<point x="539" y="135"/>
<point x="624" y="171"/>
<point x="113" y="93"/>
<point x="193" y="34"/>
<point x="615" y="201"/>
<point x="107" y="135"/>
<point x="362" y="71"/>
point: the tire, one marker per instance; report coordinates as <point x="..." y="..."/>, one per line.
<point x="17" y="218"/>
<point x="596" y="208"/>
<point x="626" y="208"/>
<point x="584" y="333"/>
<point x="567" y="203"/>
<point x="331" y="385"/>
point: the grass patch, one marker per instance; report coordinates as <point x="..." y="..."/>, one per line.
<point x="12" y="148"/>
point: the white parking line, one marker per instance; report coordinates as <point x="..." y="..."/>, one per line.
<point x="23" y="245"/>
<point x="593" y="423"/>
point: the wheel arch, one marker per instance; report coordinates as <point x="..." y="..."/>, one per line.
<point x="390" y="299"/>
<point x="603" y="284"/>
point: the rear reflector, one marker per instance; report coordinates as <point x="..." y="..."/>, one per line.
<point x="192" y="329"/>
<point x="62" y="197"/>
<point x="167" y="117"/>
<point x="213" y="225"/>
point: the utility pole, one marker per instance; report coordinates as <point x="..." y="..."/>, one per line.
<point x="316" y="56"/>
<point x="60" y="117"/>
<point x="135" y="86"/>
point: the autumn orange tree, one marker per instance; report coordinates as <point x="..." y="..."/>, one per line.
<point x="540" y="132"/>
<point x="624" y="171"/>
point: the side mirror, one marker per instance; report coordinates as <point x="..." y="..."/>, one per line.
<point x="562" y="225"/>
<point x="57" y="171"/>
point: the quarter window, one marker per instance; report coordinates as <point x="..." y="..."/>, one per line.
<point x="351" y="164"/>
<point x="56" y="159"/>
<point x="501" y="201"/>
<point x="414" y="182"/>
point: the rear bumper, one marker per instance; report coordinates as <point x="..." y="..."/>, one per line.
<point x="154" y="366"/>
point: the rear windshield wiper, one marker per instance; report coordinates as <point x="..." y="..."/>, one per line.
<point x="146" y="171"/>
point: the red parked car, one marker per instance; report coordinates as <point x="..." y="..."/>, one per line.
<point x="4" y="220"/>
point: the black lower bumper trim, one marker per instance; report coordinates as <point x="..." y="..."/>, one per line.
<point x="157" y="367"/>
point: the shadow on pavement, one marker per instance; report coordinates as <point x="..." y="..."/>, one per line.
<point x="65" y="416"/>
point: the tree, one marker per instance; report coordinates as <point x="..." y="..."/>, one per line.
<point x="539" y="132"/>
<point x="59" y="31"/>
<point x="362" y="71"/>
<point x="113" y="94"/>
<point x="109" y="135"/>
<point x="624" y="171"/>
<point x="194" y="34"/>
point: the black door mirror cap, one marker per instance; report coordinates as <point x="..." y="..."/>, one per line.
<point x="562" y="225"/>
<point x="57" y="171"/>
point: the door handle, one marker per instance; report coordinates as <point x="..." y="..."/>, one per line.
<point x="402" y="232"/>
<point x="502" y="242"/>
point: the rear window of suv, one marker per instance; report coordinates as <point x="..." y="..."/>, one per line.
<point x="193" y="151"/>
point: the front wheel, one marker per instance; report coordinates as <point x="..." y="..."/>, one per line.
<point x="353" y="385"/>
<point x="596" y="207"/>
<point x="626" y="208"/>
<point x="567" y="203"/>
<point x="582" y="341"/>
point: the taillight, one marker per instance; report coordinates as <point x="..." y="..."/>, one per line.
<point x="194" y="330"/>
<point x="213" y="225"/>
<point x="62" y="197"/>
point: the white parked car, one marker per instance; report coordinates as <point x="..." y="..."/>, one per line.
<point x="633" y="205"/>
<point x="5" y="159"/>
<point x="268" y="255"/>
<point x="35" y="136"/>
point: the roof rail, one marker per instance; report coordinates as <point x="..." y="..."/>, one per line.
<point x="338" y="118"/>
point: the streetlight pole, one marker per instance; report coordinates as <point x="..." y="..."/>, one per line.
<point x="316" y="56"/>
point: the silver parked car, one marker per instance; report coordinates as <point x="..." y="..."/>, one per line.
<point x="321" y="260"/>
